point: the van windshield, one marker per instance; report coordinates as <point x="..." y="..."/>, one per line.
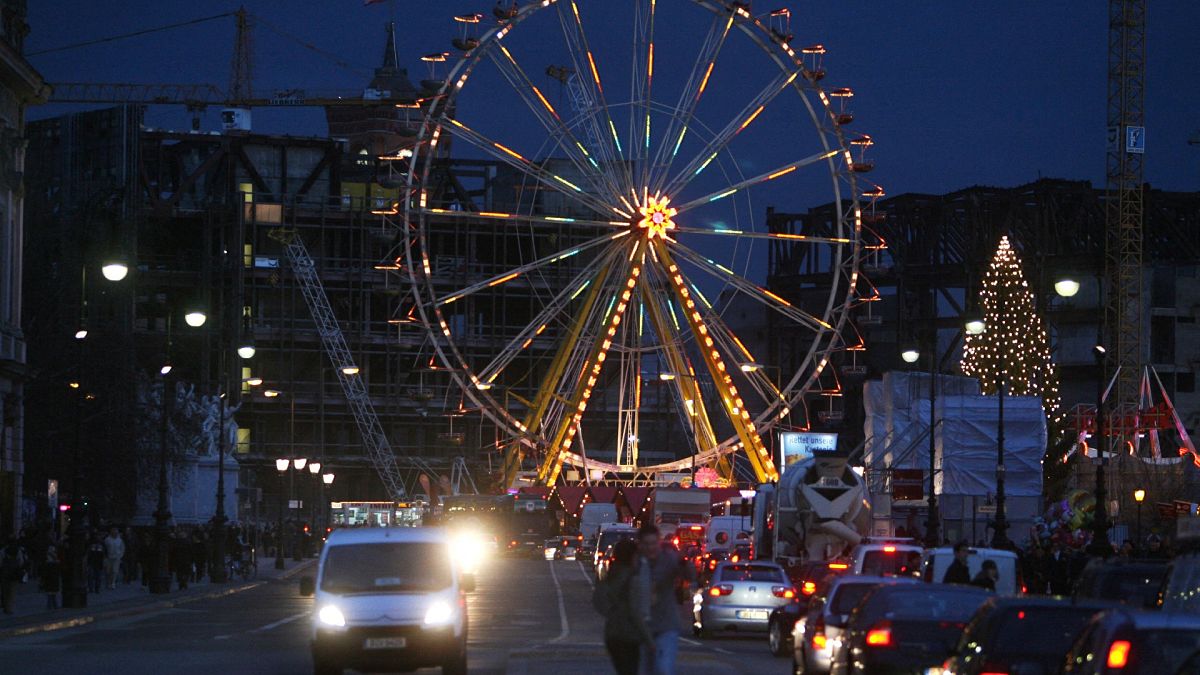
<point x="394" y="567"/>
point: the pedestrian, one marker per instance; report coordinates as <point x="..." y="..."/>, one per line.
<point x="1155" y="549"/>
<point x="199" y="556"/>
<point x="51" y="577"/>
<point x="181" y="559"/>
<point x="114" y="551"/>
<point x="1060" y="571"/>
<point x="95" y="564"/>
<point x="623" y="598"/>
<point x="1036" y="570"/>
<point x="671" y="581"/>
<point x="12" y="564"/>
<point x="987" y="577"/>
<point x="959" y="572"/>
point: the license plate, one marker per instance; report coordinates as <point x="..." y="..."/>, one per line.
<point x="385" y="643"/>
<point x="757" y="614"/>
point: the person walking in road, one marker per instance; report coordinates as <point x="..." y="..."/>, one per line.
<point x="12" y="564"/>
<point x="671" y="581"/>
<point x="51" y="578"/>
<point x="958" y="572"/>
<point x="623" y="598"/>
<point x="96" y="561"/>
<point x="114" y="551"/>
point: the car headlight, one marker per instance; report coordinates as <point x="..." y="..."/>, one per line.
<point x="439" y="613"/>
<point x="331" y="616"/>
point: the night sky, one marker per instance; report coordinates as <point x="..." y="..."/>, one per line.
<point x="954" y="93"/>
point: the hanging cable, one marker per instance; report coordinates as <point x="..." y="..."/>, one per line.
<point x="114" y="38"/>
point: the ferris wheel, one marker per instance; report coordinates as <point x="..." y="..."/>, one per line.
<point x="607" y="310"/>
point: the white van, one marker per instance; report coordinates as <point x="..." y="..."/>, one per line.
<point x="937" y="561"/>
<point x="388" y="598"/>
<point x="726" y="532"/>
<point x="594" y="516"/>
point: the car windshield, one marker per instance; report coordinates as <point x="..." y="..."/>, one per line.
<point x="846" y="596"/>
<point x="751" y="573"/>
<point x="893" y="563"/>
<point x="611" y="537"/>
<point x="386" y="568"/>
<point x="1133" y="586"/>
<point x="1037" y="631"/>
<point x="1166" y="651"/>
<point x="920" y="602"/>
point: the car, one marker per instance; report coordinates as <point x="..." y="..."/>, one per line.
<point x="551" y="549"/>
<point x="806" y="578"/>
<point x="611" y="533"/>
<point x="886" y="558"/>
<point x="388" y="598"/>
<point x="817" y="634"/>
<point x="1133" y="582"/>
<point x="740" y="597"/>
<point x="1132" y="642"/>
<point x="937" y="560"/>
<point x="905" y="629"/>
<point x="1180" y="582"/>
<point x="1020" y="635"/>
<point x="603" y="561"/>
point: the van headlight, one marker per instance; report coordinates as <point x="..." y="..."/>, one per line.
<point x="439" y="613"/>
<point x="331" y="616"/>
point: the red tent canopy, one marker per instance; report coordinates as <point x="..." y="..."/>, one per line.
<point x="719" y="495"/>
<point x="603" y="494"/>
<point x="571" y="497"/>
<point x="635" y="499"/>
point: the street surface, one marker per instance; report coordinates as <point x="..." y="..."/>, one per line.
<point x="527" y="616"/>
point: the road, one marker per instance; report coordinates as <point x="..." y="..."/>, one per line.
<point x="526" y="617"/>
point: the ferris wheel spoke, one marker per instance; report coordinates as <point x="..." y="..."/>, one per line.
<point x="516" y="272"/>
<point x="585" y="62"/>
<point x="733" y="346"/>
<point x="738" y="124"/>
<point x="553" y="123"/>
<point x="778" y="236"/>
<point x="548" y="314"/>
<point x="451" y="215"/>
<point x="751" y="289"/>
<point x="641" y="85"/>
<point x="516" y="160"/>
<point x="777" y="172"/>
<point x="689" y="98"/>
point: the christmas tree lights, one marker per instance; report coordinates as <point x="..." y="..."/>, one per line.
<point x="1014" y="342"/>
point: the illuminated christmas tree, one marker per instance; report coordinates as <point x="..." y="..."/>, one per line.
<point x="1014" y="341"/>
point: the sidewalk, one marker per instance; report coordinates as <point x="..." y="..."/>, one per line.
<point x="31" y="615"/>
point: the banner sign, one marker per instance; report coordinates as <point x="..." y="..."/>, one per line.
<point x="795" y="446"/>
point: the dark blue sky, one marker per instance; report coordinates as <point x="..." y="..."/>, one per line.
<point x="955" y="93"/>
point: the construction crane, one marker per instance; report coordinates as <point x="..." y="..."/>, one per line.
<point x="379" y="449"/>
<point x="1123" y="208"/>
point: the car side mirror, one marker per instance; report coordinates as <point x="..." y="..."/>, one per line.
<point x="467" y="582"/>
<point x="308" y="587"/>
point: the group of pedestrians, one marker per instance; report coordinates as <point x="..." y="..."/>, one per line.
<point x="640" y="600"/>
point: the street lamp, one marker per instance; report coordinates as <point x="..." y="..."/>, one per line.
<point x="114" y="271"/>
<point x="326" y="481"/>
<point x="910" y="354"/>
<point x="350" y="369"/>
<point x="1100" y="545"/>
<point x="281" y="466"/>
<point x="195" y="318"/>
<point x="974" y="325"/>
<point x="246" y="351"/>
<point x="81" y="334"/>
<point x="1139" y="495"/>
<point x="299" y="463"/>
<point x="1066" y="287"/>
<point x="270" y="393"/>
<point x="750" y="367"/>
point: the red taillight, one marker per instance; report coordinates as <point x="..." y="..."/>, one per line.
<point x="1118" y="654"/>
<point x="1024" y="589"/>
<point x="889" y="549"/>
<point x="723" y="589"/>
<point x="809" y="588"/>
<point x="880" y="635"/>
<point x="986" y="671"/>
<point x="819" y="640"/>
<point x="838" y="566"/>
<point x="783" y="592"/>
<point x="696" y="528"/>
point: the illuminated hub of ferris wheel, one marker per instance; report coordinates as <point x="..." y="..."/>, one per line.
<point x="619" y="304"/>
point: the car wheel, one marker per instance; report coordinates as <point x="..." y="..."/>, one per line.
<point x="775" y="639"/>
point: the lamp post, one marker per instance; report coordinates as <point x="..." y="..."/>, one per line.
<point x="326" y="481"/>
<point x="298" y="464"/>
<point x="160" y="579"/>
<point x="1139" y="495"/>
<point x="910" y="354"/>
<point x="281" y="466"/>
<point x="314" y="470"/>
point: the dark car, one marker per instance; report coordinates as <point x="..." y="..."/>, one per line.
<point x="806" y="578"/>
<point x="905" y="629"/>
<point x="1023" y="636"/>
<point x="821" y="629"/>
<point x="1134" y="583"/>
<point x="1129" y="642"/>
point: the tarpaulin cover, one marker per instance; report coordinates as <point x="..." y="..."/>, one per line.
<point x="635" y="497"/>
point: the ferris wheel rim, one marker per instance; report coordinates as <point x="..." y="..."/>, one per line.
<point x="850" y="218"/>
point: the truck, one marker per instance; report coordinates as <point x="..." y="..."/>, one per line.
<point x="674" y="506"/>
<point x="593" y="516"/>
<point x="726" y="532"/>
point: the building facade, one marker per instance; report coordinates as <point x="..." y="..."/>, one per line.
<point x="20" y="86"/>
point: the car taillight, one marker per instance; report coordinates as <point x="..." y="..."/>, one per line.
<point x="880" y="635"/>
<point x="783" y="592"/>
<point x="889" y="549"/>
<point x="809" y="587"/>
<point x="989" y="669"/>
<point x="1118" y="654"/>
<point x="733" y="558"/>
<point x="819" y="640"/>
<point x="838" y="566"/>
<point x="723" y="589"/>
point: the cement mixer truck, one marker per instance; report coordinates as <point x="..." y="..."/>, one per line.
<point x="817" y="511"/>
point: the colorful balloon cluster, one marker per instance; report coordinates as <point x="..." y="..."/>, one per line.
<point x="1067" y="522"/>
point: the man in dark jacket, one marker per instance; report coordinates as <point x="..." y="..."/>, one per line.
<point x="959" y="572"/>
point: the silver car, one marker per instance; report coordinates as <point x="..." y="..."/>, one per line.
<point x="740" y="596"/>
<point x="818" y="634"/>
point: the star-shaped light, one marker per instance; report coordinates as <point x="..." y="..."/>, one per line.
<point x="656" y="217"/>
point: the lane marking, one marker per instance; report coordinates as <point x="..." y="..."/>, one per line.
<point x="222" y="637"/>
<point x="276" y="624"/>
<point x="562" y="607"/>
<point x="586" y="577"/>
